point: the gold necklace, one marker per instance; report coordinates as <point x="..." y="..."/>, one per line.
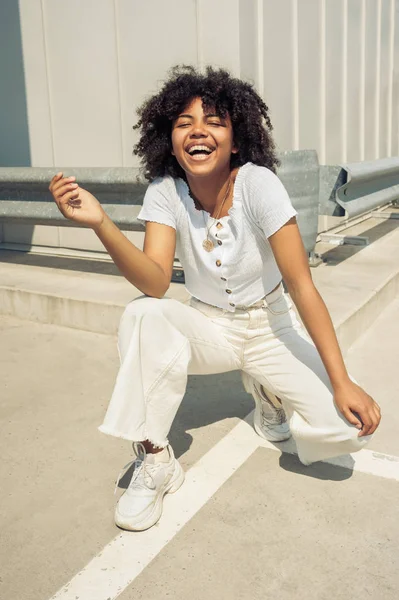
<point x="208" y="244"/>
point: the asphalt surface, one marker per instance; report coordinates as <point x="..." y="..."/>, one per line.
<point x="274" y="529"/>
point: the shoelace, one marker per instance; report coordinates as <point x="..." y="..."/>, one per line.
<point x="278" y="418"/>
<point x="273" y="415"/>
<point x="141" y="468"/>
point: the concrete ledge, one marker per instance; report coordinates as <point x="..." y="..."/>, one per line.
<point x="69" y="312"/>
<point x="71" y="298"/>
<point x="356" y="284"/>
<point x="350" y="329"/>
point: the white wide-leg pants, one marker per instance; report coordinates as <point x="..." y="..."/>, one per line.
<point x="163" y="341"/>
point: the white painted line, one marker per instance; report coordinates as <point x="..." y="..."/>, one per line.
<point x="372" y="463"/>
<point x="364" y="461"/>
<point x="123" y="559"/>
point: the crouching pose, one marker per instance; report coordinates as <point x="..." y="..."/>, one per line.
<point x="214" y="196"/>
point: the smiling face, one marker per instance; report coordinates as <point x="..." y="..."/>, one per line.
<point x="202" y="142"/>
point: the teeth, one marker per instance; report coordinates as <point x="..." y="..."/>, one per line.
<point x="200" y="149"/>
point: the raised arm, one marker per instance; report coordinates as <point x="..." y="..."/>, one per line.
<point x="149" y="270"/>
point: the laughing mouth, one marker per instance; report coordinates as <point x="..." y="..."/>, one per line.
<point x="200" y="149"/>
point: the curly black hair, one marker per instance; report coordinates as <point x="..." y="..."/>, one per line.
<point x="218" y="91"/>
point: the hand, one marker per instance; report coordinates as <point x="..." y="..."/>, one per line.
<point x="358" y="408"/>
<point x="75" y="203"/>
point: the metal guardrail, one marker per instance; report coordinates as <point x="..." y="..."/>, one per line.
<point x="314" y="189"/>
<point x="369" y="185"/>
<point x="25" y="198"/>
<point x="356" y="188"/>
<point x="299" y="172"/>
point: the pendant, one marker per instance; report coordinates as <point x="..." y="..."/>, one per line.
<point x="208" y="245"/>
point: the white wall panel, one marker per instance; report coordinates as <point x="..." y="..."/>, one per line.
<point x="371" y="39"/>
<point x="309" y="63"/>
<point x="218" y="33"/>
<point x="354" y="92"/>
<point x="279" y="82"/>
<point x="89" y="64"/>
<point x="38" y="105"/>
<point x="334" y="47"/>
<point x="249" y="43"/>
<point x="395" y="90"/>
<point x="75" y="238"/>
<point x="153" y="36"/>
<point x="35" y="235"/>
<point x="385" y="76"/>
<point x="84" y="91"/>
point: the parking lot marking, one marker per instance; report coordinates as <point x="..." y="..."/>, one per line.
<point x="109" y="573"/>
<point x="364" y="461"/>
<point x="124" y="558"/>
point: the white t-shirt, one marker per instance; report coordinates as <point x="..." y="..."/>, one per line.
<point x="241" y="269"/>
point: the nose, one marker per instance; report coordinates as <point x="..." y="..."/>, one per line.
<point x="198" y="130"/>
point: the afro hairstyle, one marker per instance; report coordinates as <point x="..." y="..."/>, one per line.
<point x="218" y="91"/>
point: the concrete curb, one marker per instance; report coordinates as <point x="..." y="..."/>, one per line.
<point x="56" y="310"/>
<point x="351" y="328"/>
<point x="357" y="285"/>
<point x="103" y="317"/>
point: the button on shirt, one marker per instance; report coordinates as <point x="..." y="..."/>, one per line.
<point x="241" y="268"/>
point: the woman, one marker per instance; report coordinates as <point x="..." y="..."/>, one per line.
<point x="208" y="153"/>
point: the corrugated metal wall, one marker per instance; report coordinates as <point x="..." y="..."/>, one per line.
<point x="328" y="70"/>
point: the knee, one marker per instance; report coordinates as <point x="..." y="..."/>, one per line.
<point x="136" y="313"/>
<point x="145" y="306"/>
<point x="142" y="306"/>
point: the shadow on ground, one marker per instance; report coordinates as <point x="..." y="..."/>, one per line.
<point x="65" y="263"/>
<point x="338" y="254"/>
<point x="206" y="403"/>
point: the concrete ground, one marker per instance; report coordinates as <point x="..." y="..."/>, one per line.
<point x="373" y="360"/>
<point x="273" y="529"/>
<point x="250" y="522"/>
<point x="58" y="471"/>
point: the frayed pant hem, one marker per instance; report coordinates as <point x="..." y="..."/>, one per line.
<point x="125" y="436"/>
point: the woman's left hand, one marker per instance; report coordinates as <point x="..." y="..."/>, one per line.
<point x="358" y="407"/>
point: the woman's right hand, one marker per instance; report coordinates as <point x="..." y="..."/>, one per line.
<point x="75" y="203"/>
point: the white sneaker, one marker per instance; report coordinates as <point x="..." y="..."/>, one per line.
<point x="270" y="420"/>
<point x="140" y="506"/>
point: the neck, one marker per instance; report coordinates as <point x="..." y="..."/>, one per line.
<point x="209" y="191"/>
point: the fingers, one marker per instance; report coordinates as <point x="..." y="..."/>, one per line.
<point x="55" y="178"/>
<point x="371" y="418"/>
<point x="71" y="199"/>
<point x="59" y="186"/>
<point x="65" y="192"/>
<point x="352" y="418"/>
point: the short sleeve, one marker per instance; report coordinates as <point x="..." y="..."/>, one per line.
<point x="270" y="204"/>
<point x="158" y="204"/>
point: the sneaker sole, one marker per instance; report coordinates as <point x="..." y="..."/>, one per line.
<point x="155" y="511"/>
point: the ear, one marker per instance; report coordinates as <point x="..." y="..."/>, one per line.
<point x="234" y="150"/>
